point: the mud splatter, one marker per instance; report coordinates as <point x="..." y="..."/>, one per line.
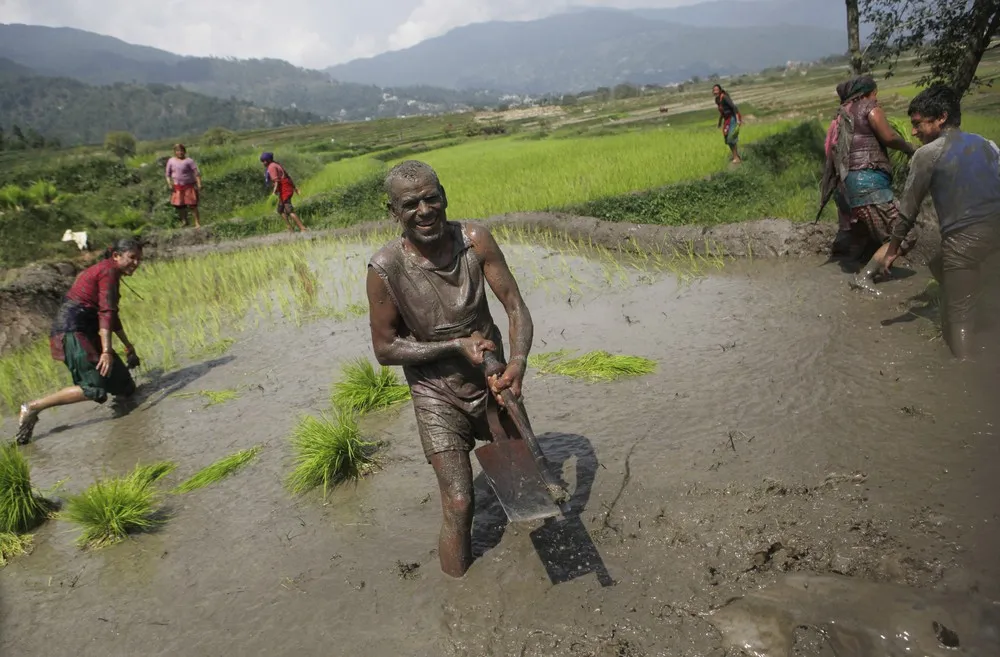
<point x="860" y="619"/>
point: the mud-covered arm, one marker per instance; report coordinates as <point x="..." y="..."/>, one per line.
<point x="918" y="184"/>
<point x="885" y="133"/>
<point x="384" y="318"/>
<point x="502" y="282"/>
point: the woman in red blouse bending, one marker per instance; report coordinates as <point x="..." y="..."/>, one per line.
<point x="81" y="337"/>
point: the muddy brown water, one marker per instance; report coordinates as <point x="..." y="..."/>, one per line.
<point x="787" y="433"/>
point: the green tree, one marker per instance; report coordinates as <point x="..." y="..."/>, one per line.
<point x="35" y="139"/>
<point x="17" y="139"/>
<point x="950" y="35"/>
<point x="120" y="143"/>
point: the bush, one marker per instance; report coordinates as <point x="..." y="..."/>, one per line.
<point x="218" y="137"/>
<point x="120" y="144"/>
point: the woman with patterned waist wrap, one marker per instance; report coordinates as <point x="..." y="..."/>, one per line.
<point x="858" y="166"/>
<point x="81" y="337"/>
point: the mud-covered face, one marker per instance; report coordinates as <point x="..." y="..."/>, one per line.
<point x="128" y="261"/>
<point x="926" y="128"/>
<point x="420" y="206"/>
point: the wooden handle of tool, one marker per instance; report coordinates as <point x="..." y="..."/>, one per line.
<point x="492" y="364"/>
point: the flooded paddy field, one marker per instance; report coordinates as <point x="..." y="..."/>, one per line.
<point x="806" y="472"/>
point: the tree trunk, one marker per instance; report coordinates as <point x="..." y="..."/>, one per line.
<point x="854" y="37"/>
<point x="986" y="23"/>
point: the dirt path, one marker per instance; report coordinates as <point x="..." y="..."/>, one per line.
<point x="785" y="430"/>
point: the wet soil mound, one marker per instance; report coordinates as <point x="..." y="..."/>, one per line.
<point x="30" y="301"/>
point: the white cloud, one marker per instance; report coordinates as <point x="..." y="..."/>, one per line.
<point x="312" y="33"/>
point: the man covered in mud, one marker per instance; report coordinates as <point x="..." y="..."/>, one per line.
<point x="961" y="172"/>
<point x="429" y="313"/>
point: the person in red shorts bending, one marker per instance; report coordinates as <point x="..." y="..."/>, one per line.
<point x="283" y="187"/>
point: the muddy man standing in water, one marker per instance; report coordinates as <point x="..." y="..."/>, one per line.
<point x="961" y="172"/>
<point x="429" y="313"/>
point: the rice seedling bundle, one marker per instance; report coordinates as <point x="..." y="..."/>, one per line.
<point x="111" y="509"/>
<point x="218" y="470"/>
<point x="13" y="545"/>
<point x="593" y="366"/>
<point x="329" y="451"/>
<point x="364" y="388"/>
<point x="21" y="508"/>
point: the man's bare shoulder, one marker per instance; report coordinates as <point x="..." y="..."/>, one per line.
<point x="478" y="234"/>
<point x="385" y="255"/>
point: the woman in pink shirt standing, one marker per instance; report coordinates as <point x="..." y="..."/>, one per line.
<point x="185" y="181"/>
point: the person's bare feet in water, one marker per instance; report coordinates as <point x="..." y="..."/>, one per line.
<point x="26" y="424"/>
<point x="864" y="280"/>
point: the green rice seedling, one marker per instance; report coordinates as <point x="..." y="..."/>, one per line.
<point x="593" y="366"/>
<point x="218" y="470"/>
<point x="545" y="361"/>
<point x="217" y="348"/>
<point x="212" y="397"/>
<point x="146" y="475"/>
<point x="364" y="388"/>
<point x="329" y="451"/>
<point x="21" y="507"/>
<point x="111" y="509"/>
<point x="13" y="545"/>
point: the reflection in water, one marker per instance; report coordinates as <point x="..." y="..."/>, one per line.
<point x="563" y="544"/>
<point x="860" y="619"/>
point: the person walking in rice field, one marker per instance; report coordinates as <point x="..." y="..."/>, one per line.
<point x="282" y="186"/>
<point x="730" y="120"/>
<point x="81" y="337"/>
<point x="858" y="164"/>
<point x="184" y="179"/>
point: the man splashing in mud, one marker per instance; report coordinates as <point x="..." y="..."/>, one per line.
<point x="961" y="172"/>
<point x="427" y="297"/>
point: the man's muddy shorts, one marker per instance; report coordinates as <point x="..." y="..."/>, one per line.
<point x="880" y="219"/>
<point x="957" y="263"/>
<point x="96" y="387"/>
<point x="286" y="207"/>
<point x="445" y="428"/>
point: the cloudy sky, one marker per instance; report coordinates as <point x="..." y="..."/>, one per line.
<point x="312" y="33"/>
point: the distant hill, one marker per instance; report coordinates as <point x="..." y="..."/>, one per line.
<point x="13" y="69"/>
<point x="74" y="112"/>
<point x="585" y="49"/>
<point x="98" y="60"/>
